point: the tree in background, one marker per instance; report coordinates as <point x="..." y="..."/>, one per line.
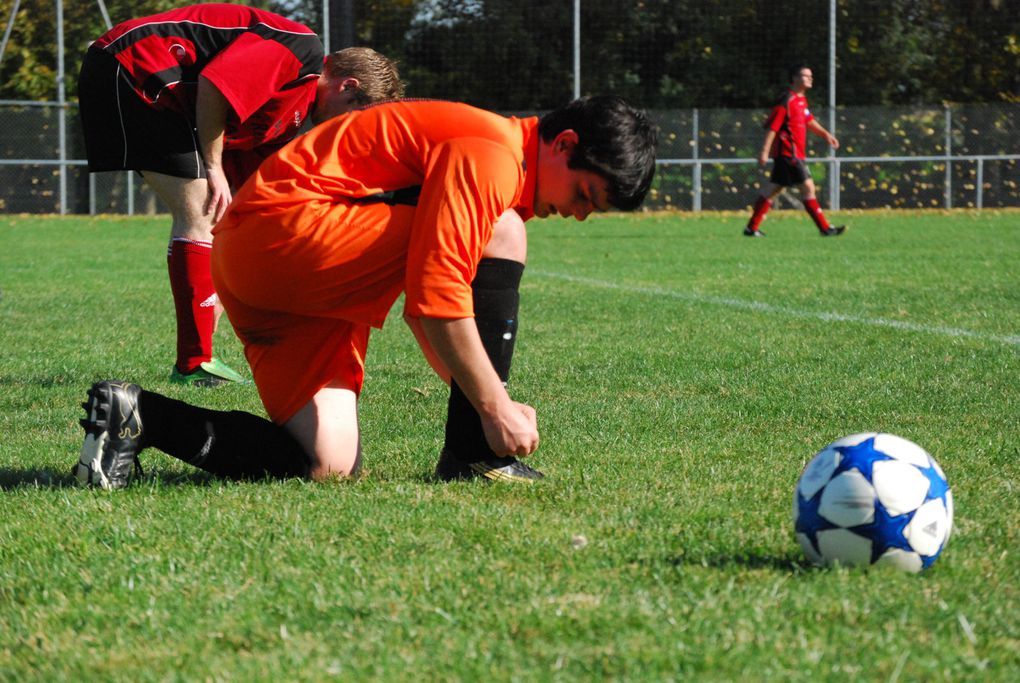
<point x="517" y="54"/>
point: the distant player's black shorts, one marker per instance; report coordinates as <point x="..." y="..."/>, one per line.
<point x="789" y="171"/>
<point x="122" y="132"/>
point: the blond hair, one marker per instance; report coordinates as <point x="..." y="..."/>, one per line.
<point x="376" y="73"/>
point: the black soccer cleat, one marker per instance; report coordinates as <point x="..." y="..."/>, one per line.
<point x="833" y="231"/>
<point x="113" y="435"/>
<point x="495" y="468"/>
<point x="751" y="232"/>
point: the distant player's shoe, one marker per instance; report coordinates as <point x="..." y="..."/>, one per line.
<point x="833" y="231"/>
<point x="113" y="435"/>
<point x="751" y="232"/>
<point x="211" y="373"/>
<point x="494" y="468"/>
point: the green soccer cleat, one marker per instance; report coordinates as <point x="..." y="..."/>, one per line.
<point x="493" y="468"/>
<point x="211" y="373"/>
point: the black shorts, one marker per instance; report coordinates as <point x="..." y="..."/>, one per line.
<point x="122" y="132"/>
<point x="789" y="171"/>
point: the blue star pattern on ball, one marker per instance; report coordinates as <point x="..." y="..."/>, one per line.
<point x="861" y="457"/>
<point x="937" y="486"/>
<point x="809" y="522"/>
<point x="885" y="532"/>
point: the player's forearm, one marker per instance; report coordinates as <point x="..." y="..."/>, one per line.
<point x="456" y="343"/>
<point x="211" y="120"/>
<point x="819" y="130"/>
<point x="434" y="361"/>
<point x="766" y="146"/>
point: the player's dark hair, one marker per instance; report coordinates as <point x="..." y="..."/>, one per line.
<point x="615" y="141"/>
<point x="794" y="71"/>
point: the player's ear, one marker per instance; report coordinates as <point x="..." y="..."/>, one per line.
<point x="349" y="83"/>
<point x="565" y="141"/>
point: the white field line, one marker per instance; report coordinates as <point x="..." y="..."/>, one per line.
<point x="952" y="332"/>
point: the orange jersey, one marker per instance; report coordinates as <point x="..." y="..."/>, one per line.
<point x="355" y="258"/>
<point x="305" y="262"/>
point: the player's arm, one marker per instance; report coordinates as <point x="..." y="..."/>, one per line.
<point x="766" y="147"/>
<point x="211" y="119"/>
<point x="435" y="362"/>
<point x="510" y="427"/>
<point x="820" y="131"/>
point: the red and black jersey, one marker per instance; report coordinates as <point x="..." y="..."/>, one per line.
<point x="266" y="66"/>
<point x="789" y="119"/>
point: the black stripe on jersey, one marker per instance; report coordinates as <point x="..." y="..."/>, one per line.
<point x="211" y="40"/>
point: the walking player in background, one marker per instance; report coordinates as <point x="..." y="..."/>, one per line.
<point x="194" y="99"/>
<point x="786" y="142"/>
<point x="421" y="197"/>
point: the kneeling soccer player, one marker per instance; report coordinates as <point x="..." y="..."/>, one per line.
<point x="421" y="197"/>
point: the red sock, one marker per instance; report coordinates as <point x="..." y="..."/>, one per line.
<point x="188" y="262"/>
<point x="815" y="211"/>
<point x="761" y="207"/>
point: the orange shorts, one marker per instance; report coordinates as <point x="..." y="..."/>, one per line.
<point x="292" y="356"/>
<point x="301" y="298"/>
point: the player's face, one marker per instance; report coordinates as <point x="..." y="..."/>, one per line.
<point x="565" y="191"/>
<point x="804" y="80"/>
<point x="334" y="97"/>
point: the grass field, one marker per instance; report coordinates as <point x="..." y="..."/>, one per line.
<point x="683" y="376"/>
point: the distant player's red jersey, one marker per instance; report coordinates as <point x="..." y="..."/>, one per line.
<point x="266" y="66"/>
<point x="789" y="118"/>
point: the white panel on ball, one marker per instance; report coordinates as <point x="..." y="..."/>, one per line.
<point x="928" y="529"/>
<point x="844" y="546"/>
<point x="809" y="549"/>
<point x="902" y="449"/>
<point x="848" y="500"/>
<point x="900" y="559"/>
<point x="900" y="486"/>
<point x="949" y="514"/>
<point x="817" y="473"/>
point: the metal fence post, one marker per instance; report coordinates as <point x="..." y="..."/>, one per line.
<point x="61" y="108"/>
<point x="949" y="154"/>
<point x="980" y="201"/>
<point x="835" y="185"/>
<point x="696" y="185"/>
<point x="833" y="168"/>
<point x="577" y="49"/>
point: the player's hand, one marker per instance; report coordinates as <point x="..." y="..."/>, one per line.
<point x="833" y="142"/>
<point x="512" y="432"/>
<point x="763" y="161"/>
<point x="219" y="194"/>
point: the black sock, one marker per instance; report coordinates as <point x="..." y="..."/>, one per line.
<point x="234" y="444"/>
<point x="496" y="303"/>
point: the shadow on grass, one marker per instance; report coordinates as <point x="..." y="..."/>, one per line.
<point x="790" y="562"/>
<point x="48" y="478"/>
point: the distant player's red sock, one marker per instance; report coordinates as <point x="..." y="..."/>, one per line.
<point x="761" y="207"/>
<point x="815" y="211"/>
<point x="189" y="265"/>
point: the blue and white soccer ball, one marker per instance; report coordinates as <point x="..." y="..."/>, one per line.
<point x="873" y="499"/>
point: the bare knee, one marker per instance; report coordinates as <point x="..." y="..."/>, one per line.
<point x="186" y="199"/>
<point x="509" y="238"/>
<point x="807" y="190"/>
<point x="327" y="429"/>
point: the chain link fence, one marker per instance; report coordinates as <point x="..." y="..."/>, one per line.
<point x="965" y="156"/>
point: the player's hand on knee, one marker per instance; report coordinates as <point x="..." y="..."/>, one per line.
<point x="513" y="432"/>
<point x="219" y="194"/>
